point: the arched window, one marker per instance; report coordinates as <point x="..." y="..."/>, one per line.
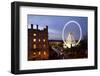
<point x="34" y="46"/>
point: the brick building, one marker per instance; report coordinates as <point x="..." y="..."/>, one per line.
<point x="38" y="45"/>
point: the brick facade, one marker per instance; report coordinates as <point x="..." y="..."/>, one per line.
<point x="38" y="45"/>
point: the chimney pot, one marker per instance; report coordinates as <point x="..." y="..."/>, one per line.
<point x="31" y="26"/>
<point x="37" y="27"/>
<point x="47" y="27"/>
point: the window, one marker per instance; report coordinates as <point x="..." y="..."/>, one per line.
<point x="39" y="53"/>
<point x="40" y="46"/>
<point x="43" y="40"/>
<point x="44" y="45"/>
<point x="44" y="52"/>
<point x="34" y="40"/>
<point x="34" y="53"/>
<point x="34" y="34"/>
<point x="39" y="40"/>
<point x="34" y="46"/>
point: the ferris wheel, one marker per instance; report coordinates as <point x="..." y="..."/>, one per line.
<point x="69" y="39"/>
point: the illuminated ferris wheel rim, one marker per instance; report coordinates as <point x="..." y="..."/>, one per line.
<point x="72" y="21"/>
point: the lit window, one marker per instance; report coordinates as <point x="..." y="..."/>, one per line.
<point x="34" y="53"/>
<point x="34" y="46"/>
<point x="34" y="40"/>
<point x="39" y="53"/>
<point x="44" y="45"/>
<point x="61" y="53"/>
<point x="39" y="40"/>
<point x="34" y="34"/>
<point x="43" y="40"/>
<point x="44" y="53"/>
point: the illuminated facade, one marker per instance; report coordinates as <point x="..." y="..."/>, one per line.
<point x="70" y="41"/>
<point x="38" y="45"/>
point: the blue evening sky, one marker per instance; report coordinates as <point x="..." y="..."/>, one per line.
<point x="56" y="23"/>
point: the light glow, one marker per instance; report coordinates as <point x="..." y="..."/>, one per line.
<point x="66" y="44"/>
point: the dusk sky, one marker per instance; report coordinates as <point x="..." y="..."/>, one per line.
<point x="56" y="23"/>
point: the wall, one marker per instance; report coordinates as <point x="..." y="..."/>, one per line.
<point x="5" y="39"/>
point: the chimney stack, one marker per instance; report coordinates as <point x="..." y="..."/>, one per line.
<point x="46" y="27"/>
<point x="37" y="27"/>
<point x="31" y="26"/>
